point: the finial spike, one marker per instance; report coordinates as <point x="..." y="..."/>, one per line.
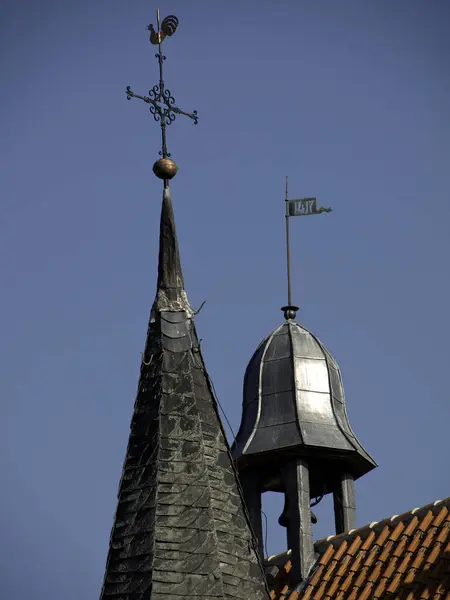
<point x="170" y="276"/>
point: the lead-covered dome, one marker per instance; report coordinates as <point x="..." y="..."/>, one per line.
<point x="294" y="403"/>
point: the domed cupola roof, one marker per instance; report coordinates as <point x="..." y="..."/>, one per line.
<point x="294" y="403"/>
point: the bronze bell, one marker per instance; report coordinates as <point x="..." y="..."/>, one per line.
<point x="284" y="517"/>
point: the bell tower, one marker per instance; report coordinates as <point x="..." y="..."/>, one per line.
<point x="295" y="436"/>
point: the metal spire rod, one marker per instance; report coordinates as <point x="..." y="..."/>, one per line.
<point x="162" y="103"/>
<point x="288" y="251"/>
<point x="160" y="58"/>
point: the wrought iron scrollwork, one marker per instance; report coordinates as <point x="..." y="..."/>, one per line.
<point x="169" y="100"/>
<point x="162" y="103"/>
<point x="154" y="92"/>
<point x="154" y="111"/>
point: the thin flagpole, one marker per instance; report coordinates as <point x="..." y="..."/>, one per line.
<point x="288" y="252"/>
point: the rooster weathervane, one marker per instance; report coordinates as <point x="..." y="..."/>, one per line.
<point x="162" y="103"/>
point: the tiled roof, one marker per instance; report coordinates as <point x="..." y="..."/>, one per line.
<point x="405" y="557"/>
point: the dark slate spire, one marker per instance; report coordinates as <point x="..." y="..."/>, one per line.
<point x="180" y="529"/>
<point x="170" y="286"/>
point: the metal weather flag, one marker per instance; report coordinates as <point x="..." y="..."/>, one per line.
<point x="162" y="103"/>
<point x="297" y="208"/>
<point x="305" y="206"/>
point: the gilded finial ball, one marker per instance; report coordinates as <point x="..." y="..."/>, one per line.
<point x="165" y="168"/>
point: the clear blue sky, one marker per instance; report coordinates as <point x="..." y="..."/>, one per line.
<point x="351" y="100"/>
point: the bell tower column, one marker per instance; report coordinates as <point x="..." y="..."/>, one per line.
<point x="344" y="504"/>
<point x="295" y="475"/>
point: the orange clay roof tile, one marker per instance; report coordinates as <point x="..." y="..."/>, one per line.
<point x="354" y="546"/>
<point x="405" y="557"/>
<point x="442" y="514"/>
<point x="369" y="541"/>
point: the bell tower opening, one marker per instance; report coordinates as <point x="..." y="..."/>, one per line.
<point x="323" y="516"/>
<point x="274" y="534"/>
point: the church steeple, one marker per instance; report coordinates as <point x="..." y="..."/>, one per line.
<point x="181" y="529"/>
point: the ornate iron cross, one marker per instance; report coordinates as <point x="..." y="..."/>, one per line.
<point x="162" y="103"/>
